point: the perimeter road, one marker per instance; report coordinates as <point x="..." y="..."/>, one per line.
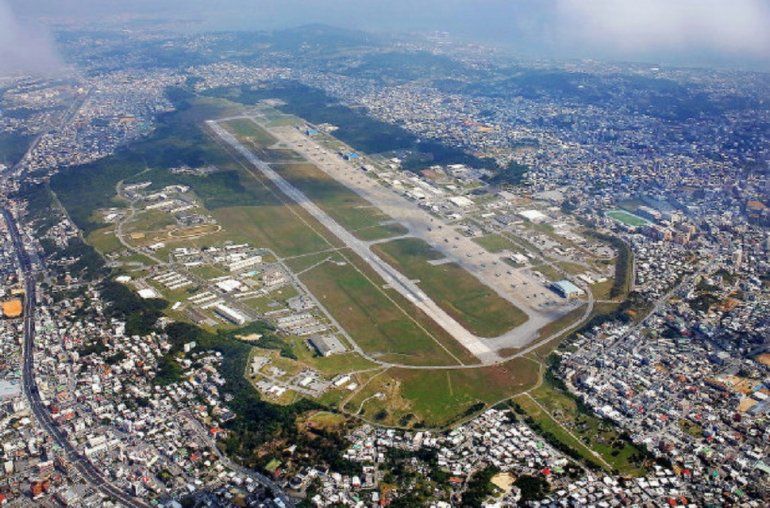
<point x="396" y="279"/>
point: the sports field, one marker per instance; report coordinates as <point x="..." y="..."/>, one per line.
<point x="627" y="218"/>
<point x="482" y="311"/>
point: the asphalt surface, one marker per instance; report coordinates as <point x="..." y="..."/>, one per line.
<point x="87" y="470"/>
<point x="390" y="275"/>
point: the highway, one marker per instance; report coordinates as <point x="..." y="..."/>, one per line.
<point x="87" y="470"/>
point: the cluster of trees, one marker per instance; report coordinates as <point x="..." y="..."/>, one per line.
<point x="257" y="423"/>
<point x="140" y="315"/>
<point x="623" y="263"/>
<point x="532" y="488"/>
<point x="479" y="487"/>
<point x="417" y="482"/>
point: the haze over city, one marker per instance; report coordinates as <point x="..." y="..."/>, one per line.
<point x="445" y="254"/>
<point x="687" y="32"/>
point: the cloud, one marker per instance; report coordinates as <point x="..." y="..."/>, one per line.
<point x="722" y="28"/>
<point x="25" y="47"/>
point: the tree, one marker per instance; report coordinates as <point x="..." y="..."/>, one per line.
<point x="532" y="488"/>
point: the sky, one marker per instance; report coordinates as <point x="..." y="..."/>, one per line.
<point x="25" y="46"/>
<point x="731" y="33"/>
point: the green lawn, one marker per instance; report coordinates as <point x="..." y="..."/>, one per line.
<point x="572" y="268"/>
<point x="627" y="218"/>
<point x="496" y="243"/>
<point x="441" y="396"/>
<point x="148" y="222"/>
<point x="549" y="272"/>
<point x="105" y="241"/>
<point x="336" y="364"/>
<point x="271" y="226"/>
<point x="371" y="318"/>
<point x="437" y="398"/>
<point x="345" y="206"/>
<point x="459" y="293"/>
<point x="245" y="128"/>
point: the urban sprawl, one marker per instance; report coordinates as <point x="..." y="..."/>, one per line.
<point x="153" y="354"/>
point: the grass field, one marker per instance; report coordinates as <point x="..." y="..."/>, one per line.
<point x="330" y="365"/>
<point x="245" y="128"/>
<point x="105" y="241"/>
<point x="345" y="206"/>
<point x="380" y="232"/>
<point x="148" y="222"/>
<point x="627" y="218"/>
<point x="371" y="317"/>
<point x="497" y="243"/>
<point x="261" y="141"/>
<point x="436" y="398"/>
<point x="601" y="290"/>
<point x="459" y="293"/>
<point x="572" y="268"/>
<point x="548" y="271"/>
<point x="382" y="323"/>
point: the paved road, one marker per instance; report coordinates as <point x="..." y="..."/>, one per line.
<point x="519" y="287"/>
<point x="630" y="337"/>
<point x="66" y="118"/>
<point x="224" y="459"/>
<point x="87" y="470"/>
<point x="390" y="275"/>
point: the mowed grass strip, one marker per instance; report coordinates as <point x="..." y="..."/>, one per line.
<point x="496" y="243"/>
<point x="246" y="128"/>
<point x="439" y="335"/>
<point x="474" y="305"/>
<point x="380" y="232"/>
<point x="260" y="141"/>
<point x="271" y="226"/>
<point x="346" y="207"/>
<point x="370" y="317"/>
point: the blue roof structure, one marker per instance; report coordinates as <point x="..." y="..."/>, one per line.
<point x="565" y="287"/>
